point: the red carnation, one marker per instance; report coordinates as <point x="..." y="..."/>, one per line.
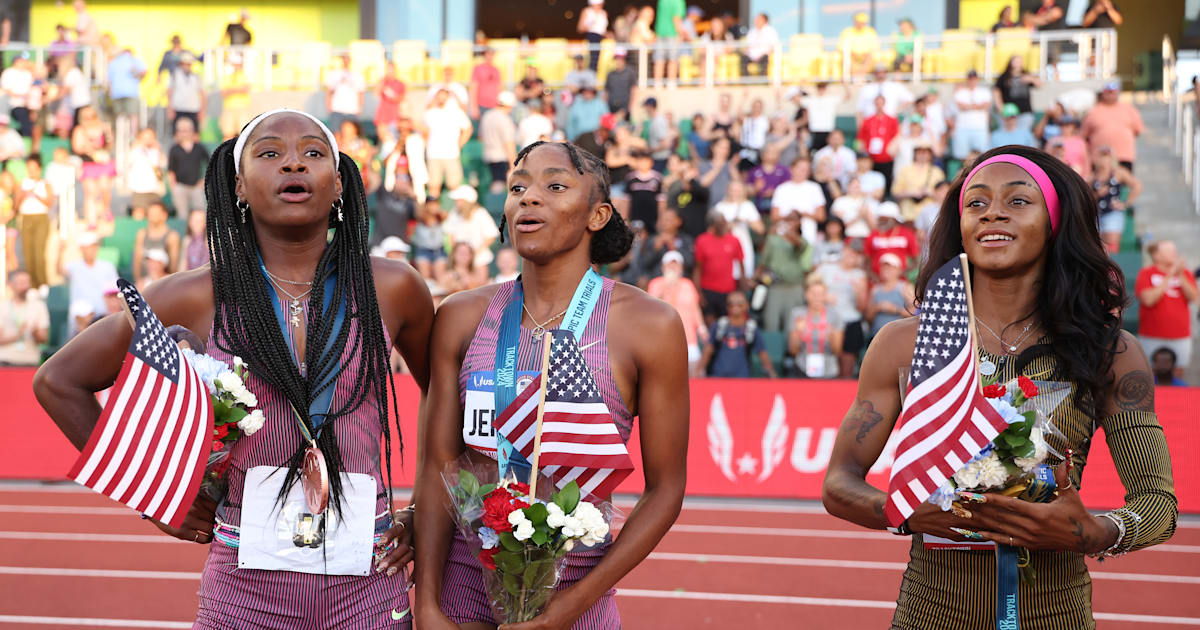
<point x="496" y="509"/>
<point x="1028" y="387"/>
<point x="486" y="558"/>
<point x="217" y="445"/>
<point x="994" y="391"/>
<point x="518" y="489"/>
<point x="221" y="431"/>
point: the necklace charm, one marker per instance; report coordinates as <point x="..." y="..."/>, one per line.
<point x="538" y="332"/>
<point x="1012" y="349"/>
<point x="297" y="311"/>
<point x="987" y="368"/>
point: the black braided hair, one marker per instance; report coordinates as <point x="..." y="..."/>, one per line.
<point x="244" y="321"/>
<point x="613" y="241"/>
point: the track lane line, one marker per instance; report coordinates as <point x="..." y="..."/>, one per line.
<point x="93" y="622"/>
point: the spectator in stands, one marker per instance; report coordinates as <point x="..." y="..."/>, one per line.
<point x="644" y="188"/>
<point x="113" y="301"/>
<point x="236" y="33"/>
<point x="82" y="314"/>
<point x="62" y="45"/>
<point x="62" y="173"/>
<point x="787" y="258"/>
<point x="429" y="240"/>
<point x="815" y="335"/>
<point x="171" y="58"/>
<point x="845" y="285"/>
<point x="971" y="125"/>
<point x="195" y="242"/>
<point x="676" y="289"/>
<point x="351" y="141"/>
<point x="186" y="98"/>
<point x="902" y="147"/>
<point x="11" y="144"/>
<point x="718" y="41"/>
<point x="17" y="83"/>
<point x="463" y="273"/>
<point x="830" y="187"/>
<point x="593" y="25"/>
<point x="933" y="119"/>
<point x="472" y="224"/>
<point x="892" y="298"/>
<point x="391" y="98"/>
<point x="1047" y="127"/>
<point x="620" y="86"/>
<point x="24" y="323"/>
<point x="92" y="140"/>
<point x="659" y="134"/>
<point x="1011" y="131"/>
<point x="235" y="98"/>
<point x="717" y="173"/>
<point x="668" y="237"/>
<point x="86" y="31"/>
<point x="125" y="74"/>
<point x="485" y="85"/>
<point x="599" y="139"/>
<point x="929" y="212"/>
<point x="802" y="196"/>
<point x="914" y="185"/>
<point x="629" y="269"/>
<point x="906" y="42"/>
<point x="449" y="129"/>
<point x="829" y="249"/>
<point x="841" y="158"/>
<point x="585" y="112"/>
<point x="498" y="135"/>
<point x="156" y="265"/>
<point x="579" y="76"/>
<point x="821" y="106"/>
<point x="1110" y="181"/>
<point x="1103" y="14"/>
<point x="873" y="183"/>
<point x="1005" y="19"/>
<point x="1114" y="124"/>
<point x="1047" y="16"/>
<point x="642" y="34"/>
<point x="1075" y="147"/>
<point x="896" y="97"/>
<point x="766" y="177"/>
<point x="1014" y="87"/>
<point x="143" y="176"/>
<point x="856" y="210"/>
<point x="343" y="93"/>
<point x="1164" y="290"/>
<point x="735" y="338"/>
<point x="531" y="87"/>
<point x="668" y="23"/>
<point x="508" y="265"/>
<point x="34" y="200"/>
<point x="186" y="162"/>
<point x="403" y="177"/>
<point x="762" y="41"/>
<point x="538" y="124"/>
<point x="393" y="247"/>
<point x="76" y="92"/>
<point x="890" y="236"/>
<point x="743" y="218"/>
<point x="686" y="195"/>
<point x="90" y="277"/>
<point x="861" y="43"/>
<point x="875" y="137"/>
<point x="156" y="235"/>
<point x="623" y="24"/>
<point x="1163" y="362"/>
<point x="718" y="264"/>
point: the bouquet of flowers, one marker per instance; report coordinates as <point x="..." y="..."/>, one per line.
<point x="234" y="415"/>
<point x="522" y="540"/>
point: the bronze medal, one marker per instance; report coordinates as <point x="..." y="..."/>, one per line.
<point x="314" y="478"/>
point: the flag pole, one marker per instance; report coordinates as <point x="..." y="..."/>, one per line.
<point x="541" y="412"/>
<point x="966" y="271"/>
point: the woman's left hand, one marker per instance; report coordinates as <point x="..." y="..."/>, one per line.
<point x="1061" y="524"/>
<point x="560" y="614"/>
<point x="394" y="550"/>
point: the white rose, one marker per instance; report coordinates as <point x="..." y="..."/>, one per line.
<point x="524" y="530"/>
<point x="573" y="527"/>
<point x="1027" y="464"/>
<point x="556" y="517"/>
<point x="246" y="397"/>
<point x="252" y="422"/>
<point x="568" y="545"/>
<point x="229" y="381"/>
<point x="238" y="362"/>
<point x="516" y="517"/>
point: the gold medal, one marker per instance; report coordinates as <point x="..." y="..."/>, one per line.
<point x="314" y="478"/>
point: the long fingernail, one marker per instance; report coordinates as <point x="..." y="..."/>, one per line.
<point x="972" y="496"/>
<point x="960" y="511"/>
<point x="966" y="533"/>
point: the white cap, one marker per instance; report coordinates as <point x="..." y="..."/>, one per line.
<point x="464" y="193"/>
<point x="595" y="3"/>
<point x="87" y="239"/>
<point x="393" y="244"/>
<point x="159" y="255"/>
<point x="891" y="259"/>
<point x="792" y="93"/>
<point x="672" y="256"/>
<point x="506" y="99"/>
<point x="888" y="209"/>
<point x="82" y="308"/>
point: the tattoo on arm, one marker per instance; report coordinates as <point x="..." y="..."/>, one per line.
<point x="863" y="412"/>
<point x="1086" y="542"/>
<point x="1135" y="392"/>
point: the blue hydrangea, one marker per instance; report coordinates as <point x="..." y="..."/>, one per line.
<point x="206" y="367"/>
<point x="943" y="496"/>
<point x="489" y="537"/>
<point x="1006" y="410"/>
<point x="987" y="450"/>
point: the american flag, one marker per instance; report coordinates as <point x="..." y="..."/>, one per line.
<point x="945" y="420"/>
<point x="579" y="440"/>
<point x="150" y="446"/>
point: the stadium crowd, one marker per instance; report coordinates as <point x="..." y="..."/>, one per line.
<point x="785" y="237"/>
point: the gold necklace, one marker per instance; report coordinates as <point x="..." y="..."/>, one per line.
<point x="540" y="329"/>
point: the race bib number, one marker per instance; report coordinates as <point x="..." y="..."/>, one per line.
<point x="814" y="365"/>
<point x="479" y="409"/>
<point x="945" y="544"/>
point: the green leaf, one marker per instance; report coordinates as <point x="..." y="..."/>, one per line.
<point x="486" y="489"/>
<point x="536" y="513"/>
<point x="509" y="562"/>
<point x="510" y="542"/>
<point x="569" y="497"/>
<point x="538" y="573"/>
<point x="235" y="414"/>
<point x="512" y="584"/>
<point x="1012" y="469"/>
<point x="540" y="537"/>
<point x="1026" y="450"/>
<point x="468" y="481"/>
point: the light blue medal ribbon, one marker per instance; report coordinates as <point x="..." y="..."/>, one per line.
<point x="1008" y="559"/>
<point x="579" y="312"/>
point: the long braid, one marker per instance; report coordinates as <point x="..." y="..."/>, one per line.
<point x="244" y="322"/>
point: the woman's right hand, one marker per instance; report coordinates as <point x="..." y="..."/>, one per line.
<point x="930" y="519"/>
<point x="197" y="526"/>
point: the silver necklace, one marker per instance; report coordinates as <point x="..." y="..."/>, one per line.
<point x="1009" y="348"/>
<point x="292" y="282"/>
<point x="295" y="309"/>
<point x="540" y="329"/>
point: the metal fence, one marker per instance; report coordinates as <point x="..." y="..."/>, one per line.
<point x="1182" y="116"/>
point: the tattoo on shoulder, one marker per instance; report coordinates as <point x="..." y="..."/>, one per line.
<point x="863" y="412"/>
<point x="1135" y="392"/>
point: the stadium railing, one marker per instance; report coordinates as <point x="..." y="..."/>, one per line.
<point x="1182" y="115"/>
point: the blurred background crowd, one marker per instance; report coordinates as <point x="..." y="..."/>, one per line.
<point x="781" y="190"/>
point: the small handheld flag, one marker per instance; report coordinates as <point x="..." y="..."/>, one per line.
<point x="149" y="448"/>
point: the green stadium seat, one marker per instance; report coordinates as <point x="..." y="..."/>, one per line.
<point x="16" y="166"/>
<point x="1130" y="263"/>
<point x="123" y="238"/>
<point x="775" y="343"/>
<point x="49" y="144"/>
<point x="58" y="303"/>
<point x="494" y="202"/>
<point x="849" y="128"/>
<point x="110" y="254"/>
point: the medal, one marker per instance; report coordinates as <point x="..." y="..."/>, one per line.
<point x="987" y="368"/>
<point x="314" y="479"/>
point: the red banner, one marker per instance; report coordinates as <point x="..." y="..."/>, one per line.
<point x="748" y="438"/>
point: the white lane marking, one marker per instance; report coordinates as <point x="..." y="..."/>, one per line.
<point x="93" y="622"/>
<point x="100" y="573"/>
<point x="884" y="566"/>
<point x="91" y="538"/>
<point x="67" y="509"/>
<point x="854" y="603"/>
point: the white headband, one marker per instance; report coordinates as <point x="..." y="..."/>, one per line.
<point x="240" y="145"/>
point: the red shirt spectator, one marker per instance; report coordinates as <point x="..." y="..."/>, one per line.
<point x="1164" y="290"/>
<point x="716" y="254"/>
<point x="391" y="97"/>
<point x="485" y="84"/>
<point x="876" y="133"/>
<point x="890" y="237"/>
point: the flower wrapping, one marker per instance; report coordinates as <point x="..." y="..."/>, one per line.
<point x="234" y="415"/>
<point x="522" y="541"/>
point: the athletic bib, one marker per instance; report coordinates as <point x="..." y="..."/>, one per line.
<point x="479" y="408"/>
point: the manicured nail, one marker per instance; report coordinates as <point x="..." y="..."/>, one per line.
<point x="966" y="533"/>
<point x="960" y="511"/>
<point x="392" y="571"/>
<point x="972" y="496"/>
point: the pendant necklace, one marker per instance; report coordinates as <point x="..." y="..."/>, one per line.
<point x="540" y="329"/>
<point x="986" y="366"/>
<point x="296" y="310"/>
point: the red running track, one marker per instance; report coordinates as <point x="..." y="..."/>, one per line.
<point x="70" y="558"/>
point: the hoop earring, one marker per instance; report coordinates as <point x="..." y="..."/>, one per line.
<point x="337" y="205"/>
<point x="244" y="207"/>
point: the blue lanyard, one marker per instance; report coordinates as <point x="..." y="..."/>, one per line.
<point x="579" y="312"/>
<point x="320" y="405"/>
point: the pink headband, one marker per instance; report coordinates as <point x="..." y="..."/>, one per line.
<point x="1049" y="194"/>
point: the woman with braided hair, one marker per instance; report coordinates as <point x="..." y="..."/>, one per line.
<point x="291" y="290"/>
<point x="561" y="221"/>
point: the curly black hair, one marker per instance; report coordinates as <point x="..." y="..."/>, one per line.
<point x="1082" y="294"/>
<point x="613" y="241"/>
